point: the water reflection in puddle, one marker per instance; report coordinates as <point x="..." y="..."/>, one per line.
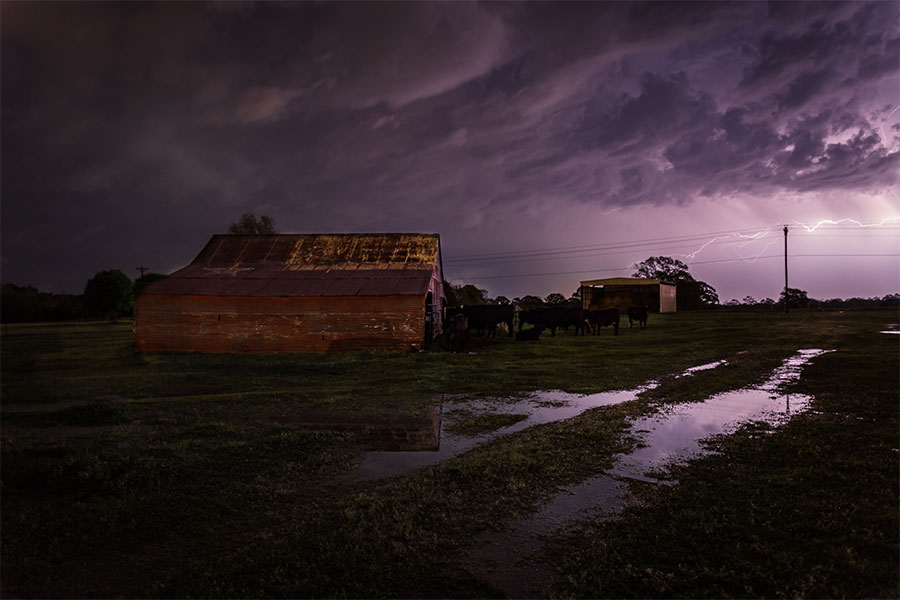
<point x="540" y="408"/>
<point x="502" y="559"/>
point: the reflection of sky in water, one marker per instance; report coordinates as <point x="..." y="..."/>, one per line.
<point x="678" y="432"/>
<point x="672" y="434"/>
<point x="541" y="407"/>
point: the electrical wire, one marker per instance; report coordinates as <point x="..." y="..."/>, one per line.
<point x="706" y="262"/>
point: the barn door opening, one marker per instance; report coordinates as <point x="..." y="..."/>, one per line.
<point x="429" y="318"/>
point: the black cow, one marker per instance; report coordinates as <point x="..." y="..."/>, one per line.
<point x="485" y="317"/>
<point x="530" y="334"/>
<point x="554" y="317"/>
<point x="529" y="316"/>
<point x="602" y="318"/>
<point x="456" y="330"/>
<point x="639" y="314"/>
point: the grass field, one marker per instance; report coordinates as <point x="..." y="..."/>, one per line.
<point x="189" y="475"/>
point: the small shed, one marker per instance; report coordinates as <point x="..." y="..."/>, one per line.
<point x="625" y="292"/>
<point x="297" y="293"/>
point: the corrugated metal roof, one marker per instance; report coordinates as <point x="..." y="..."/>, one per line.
<point x="308" y="265"/>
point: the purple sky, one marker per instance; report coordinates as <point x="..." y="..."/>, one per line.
<point x="591" y="134"/>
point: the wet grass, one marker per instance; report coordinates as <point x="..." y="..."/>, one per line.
<point x="806" y="510"/>
<point x="197" y="491"/>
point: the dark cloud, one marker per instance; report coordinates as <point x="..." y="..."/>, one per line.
<point x="132" y="131"/>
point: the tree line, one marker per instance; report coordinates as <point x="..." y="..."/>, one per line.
<point x="110" y="294"/>
<point x="107" y="295"/>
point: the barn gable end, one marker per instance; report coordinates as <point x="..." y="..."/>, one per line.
<point x="297" y="293"/>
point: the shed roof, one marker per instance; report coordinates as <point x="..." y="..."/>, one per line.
<point x="625" y="281"/>
<point x="341" y="264"/>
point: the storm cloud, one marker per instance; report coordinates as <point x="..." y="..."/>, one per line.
<point x="131" y="132"/>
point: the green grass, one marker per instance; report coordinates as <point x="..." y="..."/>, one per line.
<point x="806" y="510"/>
<point x="176" y="475"/>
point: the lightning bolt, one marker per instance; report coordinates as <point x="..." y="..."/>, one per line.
<point x="741" y="240"/>
<point x="853" y="221"/>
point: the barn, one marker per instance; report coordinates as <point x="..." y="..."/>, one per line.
<point x="624" y="292"/>
<point x="297" y="293"/>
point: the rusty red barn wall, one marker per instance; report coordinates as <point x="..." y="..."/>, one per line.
<point x="245" y="324"/>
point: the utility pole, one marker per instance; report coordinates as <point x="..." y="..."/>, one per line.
<point x="785" y="270"/>
<point x="142" y="268"/>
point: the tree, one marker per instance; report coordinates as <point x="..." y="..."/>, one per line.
<point x="501" y="300"/>
<point x="664" y="268"/>
<point x="530" y="302"/>
<point x="109" y="295"/>
<point x="555" y="298"/>
<point x="690" y="293"/>
<point x="796" y="298"/>
<point x="464" y="295"/>
<point x="693" y="294"/>
<point x="749" y="301"/>
<point x="248" y="224"/>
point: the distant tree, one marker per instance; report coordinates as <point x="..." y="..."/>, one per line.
<point x="664" y="268"/>
<point x="248" y="224"/>
<point x="555" y="298"/>
<point x="109" y="295"/>
<point x="530" y="302"/>
<point x="19" y="304"/>
<point x="690" y="293"/>
<point x="749" y="301"/>
<point x="464" y="295"/>
<point x="26" y="304"/>
<point x="796" y="298"/>
<point x="502" y="300"/>
<point x="733" y="302"/>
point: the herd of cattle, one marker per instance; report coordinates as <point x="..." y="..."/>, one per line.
<point x="485" y="319"/>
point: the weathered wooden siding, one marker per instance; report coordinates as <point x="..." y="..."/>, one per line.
<point x="249" y="324"/>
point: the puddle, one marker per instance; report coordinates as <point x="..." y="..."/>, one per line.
<point x="893" y="328"/>
<point x="505" y="559"/>
<point x="698" y="368"/>
<point x="540" y="407"/>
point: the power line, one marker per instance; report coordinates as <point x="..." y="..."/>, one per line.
<point x="588" y="249"/>
<point x="706" y="262"/>
<point x="589" y="255"/>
